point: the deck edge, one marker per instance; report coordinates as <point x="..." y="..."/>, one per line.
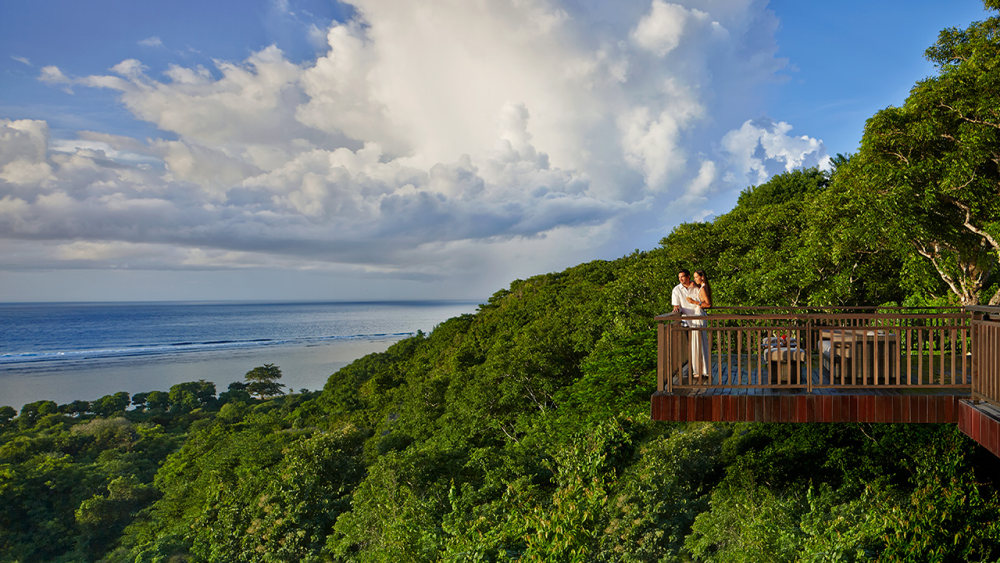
<point x="981" y="422"/>
<point x="930" y="409"/>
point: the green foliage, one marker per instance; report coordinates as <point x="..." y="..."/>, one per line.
<point x="662" y="491"/>
<point x="236" y="393"/>
<point x="931" y="168"/>
<point x="157" y="401"/>
<point x="615" y="381"/>
<point x="842" y="527"/>
<point x="262" y="381"/>
<point x="102" y="517"/>
<point x="570" y="525"/>
<point x="748" y="522"/>
<point x="947" y="516"/>
<point x="188" y="396"/>
<point x="110" y="405"/>
<point x="797" y="239"/>
<point x="67" y="490"/>
<point x="313" y="485"/>
<point x="108" y="432"/>
<point x="6" y="414"/>
<point x="764" y="261"/>
<point x="32" y="413"/>
<point x="76" y="408"/>
<point x="395" y="510"/>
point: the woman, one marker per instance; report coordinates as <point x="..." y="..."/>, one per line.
<point x="701" y="361"/>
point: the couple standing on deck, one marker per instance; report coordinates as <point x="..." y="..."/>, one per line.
<point x="691" y="298"/>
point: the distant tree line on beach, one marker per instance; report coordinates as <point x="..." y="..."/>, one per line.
<point x="523" y="431"/>
<point x="261" y="382"/>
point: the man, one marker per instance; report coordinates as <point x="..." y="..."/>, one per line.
<point x="679" y="296"/>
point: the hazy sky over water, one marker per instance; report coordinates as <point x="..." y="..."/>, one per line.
<point x="284" y="149"/>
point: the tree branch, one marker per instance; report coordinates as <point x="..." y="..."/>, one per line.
<point x="900" y="156"/>
<point x="963" y="117"/>
<point x="531" y="393"/>
<point x="932" y="256"/>
<point x="995" y="300"/>
<point x="968" y="225"/>
<point x="956" y="188"/>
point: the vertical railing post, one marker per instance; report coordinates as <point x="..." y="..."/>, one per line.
<point x="809" y="356"/>
<point x="662" y="382"/>
<point x="676" y="360"/>
<point x="977" y="351"/>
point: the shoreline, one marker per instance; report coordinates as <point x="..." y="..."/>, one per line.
<point x="303" y="367"/>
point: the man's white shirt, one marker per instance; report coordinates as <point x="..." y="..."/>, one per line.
<point x="678" y="297"/>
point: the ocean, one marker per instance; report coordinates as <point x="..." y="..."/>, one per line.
<point x="68" y="351"/>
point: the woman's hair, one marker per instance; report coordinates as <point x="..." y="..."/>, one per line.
<point x="705" y="284"/>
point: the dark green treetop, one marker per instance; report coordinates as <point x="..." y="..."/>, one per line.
<point x="262" y="381"/>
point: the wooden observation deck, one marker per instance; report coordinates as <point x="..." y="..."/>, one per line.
<point x="932" y="365"/>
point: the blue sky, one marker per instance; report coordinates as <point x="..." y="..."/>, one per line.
<point x="310" y="149"/>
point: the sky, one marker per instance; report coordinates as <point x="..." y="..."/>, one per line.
<point x="309" y="149"/>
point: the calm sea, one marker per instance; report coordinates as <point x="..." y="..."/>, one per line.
<point x="68" y="351"/>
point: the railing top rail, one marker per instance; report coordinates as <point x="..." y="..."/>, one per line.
<point x="674" y="316"/>
<point x="713" y="316"/>
<point x="836" y="307"/>
<point x="831" y="316"/>
<point x="989" y="309"/>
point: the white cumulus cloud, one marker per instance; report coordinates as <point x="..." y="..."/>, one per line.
<point x="430" y="140"/>
<point x="761" y="148"/>
<point x="661" y="30"/>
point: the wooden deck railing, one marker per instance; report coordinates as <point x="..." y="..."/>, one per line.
<point x="986" y="356"/>
<point x="830" y="348"/>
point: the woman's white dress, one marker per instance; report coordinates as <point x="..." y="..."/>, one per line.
<point x="701" y="362"/>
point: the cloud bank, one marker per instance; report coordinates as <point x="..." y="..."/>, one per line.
<point x="432" y="140"/>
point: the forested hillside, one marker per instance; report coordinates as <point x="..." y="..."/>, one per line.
<point x="523" y="432"/>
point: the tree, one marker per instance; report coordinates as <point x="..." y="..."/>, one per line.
<point x="157" y="401"/>
<point x="791" y="241"/>
<point x="848" y="248"/>
<point x="102" y="517"/>
<point x="931" y="168"/>
<point x="6" y="414"/>
<point x="190" y="395"/>
<point x="765" y="262"/>
<point x="110" y="405"/>
<point x="237" y="393"/>
<point x="262" y="381"/>
<point x="31" y="413"/>
<point x="139" y="401"/>
<point x="75" y="408"/>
